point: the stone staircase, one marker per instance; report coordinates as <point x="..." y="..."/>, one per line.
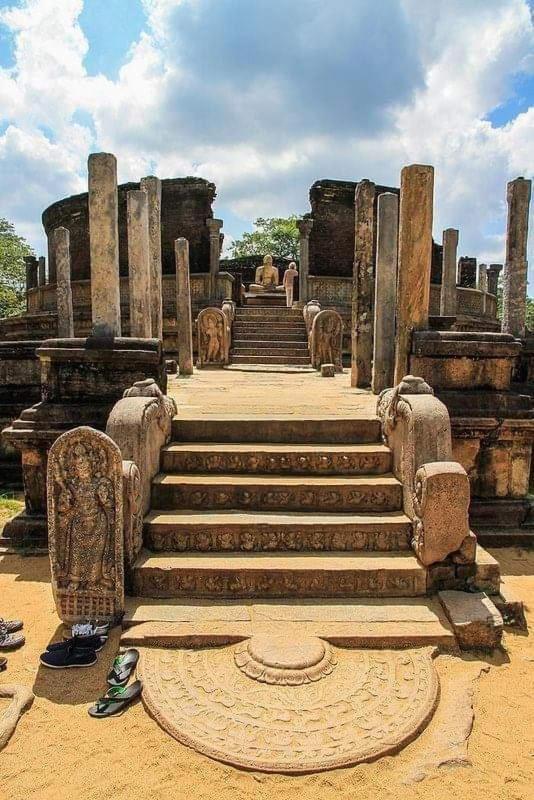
<point x="269" y="335"/>
<point x="277" y="507"/>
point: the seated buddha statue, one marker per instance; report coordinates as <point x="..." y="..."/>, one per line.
<point x="266" y="278"/>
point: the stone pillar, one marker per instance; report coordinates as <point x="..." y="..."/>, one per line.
<point x="448" y="276"/>
<point x="104" y="244"/>
<point x="415" y="258"/>
<point x="385" y="291"/>
<point x="139" y="265"/>
<point x="515" y="268"/>
<point x="304" y="226"/>
<point x="31" y="272"/>
<point x="467" y="272"/>
<point x="183" y="308"/>
<point x="41" y="272"/>
<point x="152" y="186"/>
<point x="494" y="271"/>
<point x="363" y="286"/>
<point x="214" y="227"/>
<point x="65" y="319"/>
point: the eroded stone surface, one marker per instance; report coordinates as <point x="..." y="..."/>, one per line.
<point x="283" y="661"/>
<point x="475" y="619"/>
<point x="372" y="703"/>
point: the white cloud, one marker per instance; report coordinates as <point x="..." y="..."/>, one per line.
<point x="264" y="98"/>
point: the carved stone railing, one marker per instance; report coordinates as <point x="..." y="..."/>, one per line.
<point x="309" y="312"/>
<point x="416" y="426"/>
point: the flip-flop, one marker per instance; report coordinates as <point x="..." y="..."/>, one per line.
<point x="116" y="700"/>
<point x="123" y="666"/>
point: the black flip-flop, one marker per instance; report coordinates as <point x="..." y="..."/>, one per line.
<point x="123" y="666"/>
<point x="116" y="700"/>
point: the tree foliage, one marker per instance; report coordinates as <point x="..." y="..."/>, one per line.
<point x="13" y="248"/>
<point x="277" y="236"/>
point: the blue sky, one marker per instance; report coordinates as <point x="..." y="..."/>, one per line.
<point x="265" y="96"/>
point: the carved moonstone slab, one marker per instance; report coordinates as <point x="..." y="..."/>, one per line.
<point x="85" y="523"/>
<point x="372" y="703"/>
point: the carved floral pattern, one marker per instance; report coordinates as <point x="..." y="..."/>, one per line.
<point x="294" y="463"/>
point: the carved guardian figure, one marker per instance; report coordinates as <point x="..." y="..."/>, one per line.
<point x="326" y="339"/>
<point x="213" y="347"/>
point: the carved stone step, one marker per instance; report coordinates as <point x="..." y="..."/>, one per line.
<point x="269" y="575"/>
<point x="258" y="311"/>
<point x="376" y="623"/>
<point x="268" y="325"/>
<point x="266" y="350"/>
<point x="273" y="493"/>
<point x="223" y="531"/>
<point x="272" y="344"/>
<point x="260" y="458"/>
<point x="261" y="359"/>
<point x="316" y="429"/>
<point x="268" y="336"/>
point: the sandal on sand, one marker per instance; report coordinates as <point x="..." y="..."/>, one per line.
<point x="8" y="641"/>
<point x="123" y="666"/>
<point x="95" y="643"/>
<point x="11" y="625"/>
<point x="116" y="700"/>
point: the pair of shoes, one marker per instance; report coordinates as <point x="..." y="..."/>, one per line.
<point x="88" y="629"/>
<point x="119" y="695"/>
<point x="9" y="638"/>
<point x="78" y="650"/>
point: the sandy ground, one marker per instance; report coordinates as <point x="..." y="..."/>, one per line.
<point x="59" y="752"/>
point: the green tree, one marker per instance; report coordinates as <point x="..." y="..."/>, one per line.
<point x="277" y="236"/>
<point x="13" y="248"/>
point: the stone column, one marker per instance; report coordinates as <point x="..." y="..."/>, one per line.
<point x="385" y="291"/>
<point x="104" y="244"/>
<point x="41" y="272"/>
<point x="214" y="227"/>
<point x="415" y="259"/>
<point x="152" y="186"/>
<point x="448" y="276"/>
<point x="183" y="308"/>
<point x="494" y="271"/>
<point x="304" y="226"/>
<point x="363" y="286"/>
<point x="65" y="319"/>
<point x="515" y="268"/>
<point x="467" y="272"/>
<point x="139" y="265"/>
<point x="31" y="272"/>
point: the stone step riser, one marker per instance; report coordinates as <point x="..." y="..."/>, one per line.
<point x="240" y="344"/>
<point x="245" y="336"/>
<point x="227" y="583"/>
<point x="270" y="352"/>
<point x="263" y="327"/>
<point x="284" y="431"/>
<point x="259" y="538"/>
<point x="283" y="361"/>
<point x="301" y="497"/>
<point x="235" y="462"/>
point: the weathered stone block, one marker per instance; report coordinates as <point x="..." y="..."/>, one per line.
<point x="476" y="621"/>
<point x="328" y="371"/>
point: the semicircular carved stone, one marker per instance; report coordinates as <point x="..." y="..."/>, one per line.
<point x="372" y="703"/>
<point x="85" y="525"/>
<point x="282" y="661"/>
<point x="326" y="339"/>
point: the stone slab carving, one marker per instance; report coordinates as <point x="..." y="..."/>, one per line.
<point x="441" y="508"/>
<point x="140" y="424"/>
<point x="416" y="426"/>
<point x="21" y="698"/>
<point x="326" y="339"/>
<point x="213" y="346"/>
<point x="85" y="522"/>
<point x="372" y="703"/>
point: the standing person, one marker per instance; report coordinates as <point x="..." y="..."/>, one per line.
<point x="289" y="278"/>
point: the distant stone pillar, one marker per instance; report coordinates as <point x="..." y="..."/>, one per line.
<point x="385" y="291"/>
<point x="304" y="226"/>
<point x="104" y="244"/>
<point x="482" y="278"/>
<point x="515" y="268"/>
<point x="415" y="259"/>
<point x="31" y="272"/>
<point x="362" y="286"/>
<point x="152" y="187"/>
<point x="183" y="308"/>
<point x="139" y="264"/>
<point x="41" y="272"/>
<point x="214" y="227"/>
<point x="448" y="276"/>
<point x="65" y="318"/>
<point x="494" y="271"/>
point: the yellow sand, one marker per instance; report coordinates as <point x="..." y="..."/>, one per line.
<point x="59" y="752"/>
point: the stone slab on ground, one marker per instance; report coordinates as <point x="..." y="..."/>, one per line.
<point x="476" y="621"/>
<point x="365" y="623"/>
<point x="511" y="607"/>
